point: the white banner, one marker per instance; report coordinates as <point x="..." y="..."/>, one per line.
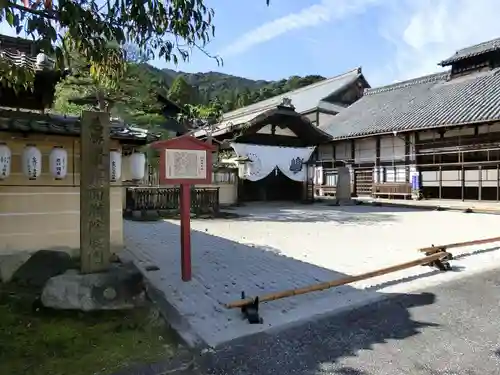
<point x="264" y="159"/>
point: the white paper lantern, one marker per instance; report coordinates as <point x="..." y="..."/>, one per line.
<point x="137" y="165"/>
<point x="58" y="161"/>
<point x="5" y="161"/>
<point x="32" y="162"/>
<point x="115" y="165"/>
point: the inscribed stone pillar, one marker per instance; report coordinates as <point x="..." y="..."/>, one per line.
<point x="343" y="194"/>
<point x="95" y="226"/>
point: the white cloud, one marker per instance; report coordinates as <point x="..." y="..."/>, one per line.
<point x="421" y="32"/>
<point x="314" y="15"/>
<point x="425" y="32"/>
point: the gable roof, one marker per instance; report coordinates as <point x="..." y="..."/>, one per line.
<point x="54" y="124"/>
<point x="303" y="99"/>
<point x="422" y="103"/>
<point x="475" y="50"/>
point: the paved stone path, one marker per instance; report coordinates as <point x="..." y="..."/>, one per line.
<point x="272" y="248"/>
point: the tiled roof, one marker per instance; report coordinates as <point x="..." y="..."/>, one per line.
<point x="35" y="63"/>
<point x="303" y="99"/>
<point x="478" y="49"/>
<point x="30" y="122"/>
<point x="24" y="53"/>
<point x="422" y="103"/>
<point x="327" y="106"/>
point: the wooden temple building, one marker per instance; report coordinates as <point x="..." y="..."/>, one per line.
<point x="436" y="136"/>
<point x="273" y="141"/>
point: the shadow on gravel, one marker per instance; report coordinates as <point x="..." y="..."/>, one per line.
<point x="321" y="344"/>
<point x="290" y="212"/>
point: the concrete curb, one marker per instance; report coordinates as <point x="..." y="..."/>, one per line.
<point x="172" y="316"/>
<point x="433" y="207"/>
<point x="177" y="322"/>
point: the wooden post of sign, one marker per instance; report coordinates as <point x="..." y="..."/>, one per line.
<point x="185" y="161"/>
<point x="185" y="211"/>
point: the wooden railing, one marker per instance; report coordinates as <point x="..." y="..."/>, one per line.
<point x="220" y="176"/>
<point x="203" y="200"/>
<point x="390" y="189"/>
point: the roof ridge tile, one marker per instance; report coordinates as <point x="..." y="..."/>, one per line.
<point x="411" y="82"/>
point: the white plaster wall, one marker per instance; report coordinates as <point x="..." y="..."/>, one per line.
<point x="343" y="150"/>
<point x="365" y="150"/>
<point x="325" y="152"/>
<point x="392" y="148"/>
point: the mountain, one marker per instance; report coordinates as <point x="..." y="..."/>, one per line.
<point x="135" y="99"/>
<point x="234" y="92"/>
<point x="213" y="85"/>
<point x="217" y="81"/>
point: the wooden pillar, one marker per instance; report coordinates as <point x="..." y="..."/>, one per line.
<point x="353" y="158"/>
<point x="462" y="183"/>
<point x="95" y="221"/>
<point x="407" y="156"/>
<point x="440" y="182"/>
<point x="480" y="183"/>
<point x="334" y="157"/>
<point x="377" y="164"/>
<point x="498" y="182"/>
<point x="377" y="151"/>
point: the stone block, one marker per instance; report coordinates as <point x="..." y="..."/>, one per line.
<point x="41" y="266"/>
<point x="119" y="288"/>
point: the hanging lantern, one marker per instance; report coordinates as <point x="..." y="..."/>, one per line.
<point x="32" y="162"/>
<point x="137" y="165"/>
<point x="5" y="160"/>
<point x="58" y="161"/>
<point x="115" y="165"/>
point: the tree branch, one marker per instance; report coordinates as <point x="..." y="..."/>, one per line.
<point x="35" y="12"/>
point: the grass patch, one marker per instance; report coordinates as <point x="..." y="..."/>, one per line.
<point x="51" y="342"/>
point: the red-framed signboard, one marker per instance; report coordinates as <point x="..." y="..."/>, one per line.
<point x="185" y="161"/>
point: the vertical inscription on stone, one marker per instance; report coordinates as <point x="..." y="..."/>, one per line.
<point x="94" y="192"/>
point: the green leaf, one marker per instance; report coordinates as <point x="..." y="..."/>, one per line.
<point x="9" y="16"/>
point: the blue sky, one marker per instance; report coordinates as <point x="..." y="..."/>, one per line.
<point x="390" y="39"/>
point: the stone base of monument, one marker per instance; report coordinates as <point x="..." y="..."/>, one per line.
<point x="119" y="288"/>
<point x="345" y="202"/>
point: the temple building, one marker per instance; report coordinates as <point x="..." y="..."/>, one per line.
<point x="436" y="136"/>
<point x="274" y="141"/>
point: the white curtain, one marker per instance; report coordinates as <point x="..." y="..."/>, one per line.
<point x="264" y="159"/>
<point x="261" y="161"/>
<point x="290" y="161"/>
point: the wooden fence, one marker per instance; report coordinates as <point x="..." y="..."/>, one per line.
<point x="203" y="200"/>
<point x="219" y="176"/>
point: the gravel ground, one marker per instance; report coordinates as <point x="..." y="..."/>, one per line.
<point x="272" y="248"/>
<point x="451" y="329"/>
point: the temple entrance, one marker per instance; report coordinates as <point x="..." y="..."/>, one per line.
<point x="274" y="187"/>
<point x="273" y="152"/>
<point x="272" y="173"/>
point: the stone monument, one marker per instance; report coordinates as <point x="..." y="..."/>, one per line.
<point x="343" y="194"/>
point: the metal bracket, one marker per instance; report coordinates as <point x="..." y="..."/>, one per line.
<point x="441" y="264"/>
<point x="250" y="311"/>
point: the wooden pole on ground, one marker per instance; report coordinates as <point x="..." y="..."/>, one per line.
<point x="346" y="280"/>
<point x="440" y="248"/>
